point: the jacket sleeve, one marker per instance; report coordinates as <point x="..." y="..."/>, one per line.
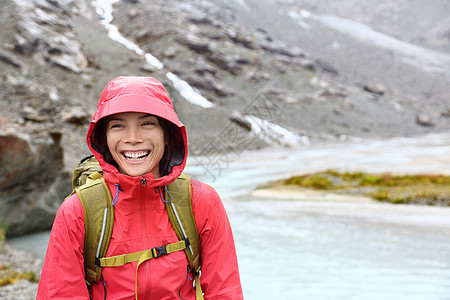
<point x="220" y="273"/>
<point x="63" y="271"/>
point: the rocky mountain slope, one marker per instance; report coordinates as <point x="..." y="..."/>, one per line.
<point x="269" y="73"/>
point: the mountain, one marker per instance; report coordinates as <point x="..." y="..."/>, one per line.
<point x="242" y="75"/>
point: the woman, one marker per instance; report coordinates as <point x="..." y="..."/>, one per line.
<point x="141" y="146"/>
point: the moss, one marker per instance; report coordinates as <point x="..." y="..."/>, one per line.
<point x="3" y="229"/>
<point x="419" y="189"/>
<point x="9" y="276"/>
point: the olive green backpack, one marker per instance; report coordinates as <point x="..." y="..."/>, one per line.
<point x="96" y="201"/>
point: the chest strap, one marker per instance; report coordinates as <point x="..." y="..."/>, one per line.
<point x="142" y="256"/>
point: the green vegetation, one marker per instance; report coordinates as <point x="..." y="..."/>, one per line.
<point x="9" y="276"/>
<point x="418" y="189"/>
<point x="3" y="229"/>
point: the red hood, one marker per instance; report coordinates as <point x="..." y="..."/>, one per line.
<point x="146" y="95"/>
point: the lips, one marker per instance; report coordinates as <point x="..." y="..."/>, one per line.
<point x="135" y="155"/>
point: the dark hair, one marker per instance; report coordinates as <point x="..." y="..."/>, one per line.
<point x="173" y="150"/>
<point x="99" y="142"/>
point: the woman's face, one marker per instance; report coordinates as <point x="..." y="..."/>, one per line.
<point x="136" y="142"/>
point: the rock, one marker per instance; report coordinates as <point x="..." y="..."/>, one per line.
<point x="306" y="63"/>
<point x="424" y="120"/>
<point x="67" y="54"/>
<point x="326" y="67"/>
<point x="76" y="116"/>
<point x="446" y="113"/>
<point x="148" y="36"/>
<point x="170" y="52"/>
<point x="377" y="89"/>
<point x="204" y="20"/>
<point x="240" y="38"/>
<point x="256" y="76"/>
<point x="149" y="68"/>
<point x="44" y="27"/>
<point x="32" y="181"/>
<point x="208" y="82"/>
<point x="25" y="46"/>
<point x="194" y="43"/>
<point x="30" y="114"/>
<point x="330" y="92"/>
<point x="231" y="63"/>
<point x="202" y="68"/>
<point x="9" y="60"/>
<point x="292" y="100"/>
<point x="241" y="121"/>
<point x="278" y="47"/>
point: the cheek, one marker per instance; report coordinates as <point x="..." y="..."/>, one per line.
<point x="110" y="141"/>
<point x="160" y="138"/>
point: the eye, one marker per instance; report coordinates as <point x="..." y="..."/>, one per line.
<point x="150" y="122"/>
<point x="146" y="123"/>
<point x="115" y="125"/>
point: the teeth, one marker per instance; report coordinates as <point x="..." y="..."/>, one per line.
<point x="140" y="155"/>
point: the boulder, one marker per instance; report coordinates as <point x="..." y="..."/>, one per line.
<point x="32" y="181"/>
<point x="195" y="43"/>
<point x="9" y="60"/>
<point x="240" y="120"/>
<point x="241" y="38"/>
<point x="45" y="28"/>
<point x="76" y="116"/>
<point x="424" y="120"/>
<point x="377" y="89"/>
<point x="207" y="82"/>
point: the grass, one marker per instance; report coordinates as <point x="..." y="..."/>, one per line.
<point x="9" y="276"/>
<point x="419" y="189"/>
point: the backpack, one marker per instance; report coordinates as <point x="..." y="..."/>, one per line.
<point x="96" y="201"/>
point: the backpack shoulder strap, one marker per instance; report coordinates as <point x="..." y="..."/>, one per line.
<point x="96" y="200"/>
<point x="179" y="209"/>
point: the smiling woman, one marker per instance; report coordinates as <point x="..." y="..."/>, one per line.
<point x="136" y="142"/>
<point x="141" y="147"/>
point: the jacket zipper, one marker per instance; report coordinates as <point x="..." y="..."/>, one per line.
<point x="142" y="201"/>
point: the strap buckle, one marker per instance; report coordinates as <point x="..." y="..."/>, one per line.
<point x="159" y="251"/>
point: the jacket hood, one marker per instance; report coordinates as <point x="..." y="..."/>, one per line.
<point x="145" y="95"/>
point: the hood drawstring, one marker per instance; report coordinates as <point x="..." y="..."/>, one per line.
<point x="162" y="198"/>
<point x="116" y="197"/>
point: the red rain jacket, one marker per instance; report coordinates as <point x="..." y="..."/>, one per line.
<point x="141" y="221"/>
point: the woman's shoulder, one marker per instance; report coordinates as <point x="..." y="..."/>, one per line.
<point x="201" y="191"/>
<point x="71" y="206"/>
<point x="203" y="195"/>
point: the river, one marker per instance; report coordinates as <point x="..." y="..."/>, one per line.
<point x="320" y="249"/>
<point x="313" y="249"/>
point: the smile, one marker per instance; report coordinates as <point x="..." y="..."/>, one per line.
<point x="135" y="155"/>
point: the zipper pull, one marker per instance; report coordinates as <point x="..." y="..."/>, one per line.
<point x="143" y="181"/>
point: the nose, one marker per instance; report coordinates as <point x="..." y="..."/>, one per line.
<point x="133" y="136"/>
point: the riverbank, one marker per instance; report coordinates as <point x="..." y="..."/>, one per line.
<point x="295" y="193"/>
<point x="19" y="273"/>
<point x="422" y="189"/>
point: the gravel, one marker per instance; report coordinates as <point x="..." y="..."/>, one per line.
<point x="19" y="261"/>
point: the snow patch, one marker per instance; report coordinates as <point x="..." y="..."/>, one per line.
<point x="104" y="9"/>
<point x="274" y="134"/>
<point x="188" y="92"/>
<point x="425" y="58"/>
